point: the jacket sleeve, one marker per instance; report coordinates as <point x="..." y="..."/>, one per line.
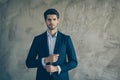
<point x="32" y="61"/>
<point x="71" y="56"/>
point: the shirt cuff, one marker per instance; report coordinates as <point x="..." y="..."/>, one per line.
<point x="59" y="69"/>
<point x="43" y="63"/>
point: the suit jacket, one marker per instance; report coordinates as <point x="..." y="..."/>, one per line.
<point x="39" y="49"/>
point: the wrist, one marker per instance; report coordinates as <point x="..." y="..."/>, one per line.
<point x="57" y="69"/>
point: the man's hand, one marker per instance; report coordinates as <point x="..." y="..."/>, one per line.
<point x="51" y="68"/>
<point x="52" y="58"/>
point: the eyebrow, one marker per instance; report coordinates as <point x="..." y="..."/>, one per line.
<point x="51" y="19"/>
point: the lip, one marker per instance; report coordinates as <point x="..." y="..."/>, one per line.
<point x="51" y="25"/>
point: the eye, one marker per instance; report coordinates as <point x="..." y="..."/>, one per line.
<point x="49" y="19"/>
<point x="54" y="19"/>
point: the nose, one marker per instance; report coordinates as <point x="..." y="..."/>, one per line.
<point x="51" y="21"/>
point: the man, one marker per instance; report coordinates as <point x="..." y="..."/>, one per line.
<point x="52" y="52"/>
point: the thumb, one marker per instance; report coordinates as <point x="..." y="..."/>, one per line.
<point x="56" y="55"/>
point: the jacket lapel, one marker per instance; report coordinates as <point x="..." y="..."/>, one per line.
<point x="57" y="44"/>
<point x="45" y="43"/>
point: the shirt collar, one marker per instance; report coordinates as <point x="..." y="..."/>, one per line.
<point x="48" y="34"/>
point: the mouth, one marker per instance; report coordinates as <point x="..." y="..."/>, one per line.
<point x="51" y="25"/>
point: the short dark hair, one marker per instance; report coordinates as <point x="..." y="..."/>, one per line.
<point x="51" y="11"/>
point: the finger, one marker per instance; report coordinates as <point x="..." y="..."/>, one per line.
<point x="47" y="67"/>
<point x="56" y="55"/>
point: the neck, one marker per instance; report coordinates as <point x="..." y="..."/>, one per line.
<point x="52" y="32"/>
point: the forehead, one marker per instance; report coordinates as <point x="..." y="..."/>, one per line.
<point x="51" y="16"/>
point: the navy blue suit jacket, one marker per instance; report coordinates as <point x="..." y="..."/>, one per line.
<point x="39" y="49"/>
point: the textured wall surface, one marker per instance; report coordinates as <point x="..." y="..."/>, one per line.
<point x="94" y="26"/>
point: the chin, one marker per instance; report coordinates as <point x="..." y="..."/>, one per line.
<point x="52" y="28"/>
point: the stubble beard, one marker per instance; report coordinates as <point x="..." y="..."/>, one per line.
<point x="51" y="28"/>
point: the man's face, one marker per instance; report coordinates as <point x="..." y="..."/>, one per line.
<point x="52" y="21"/>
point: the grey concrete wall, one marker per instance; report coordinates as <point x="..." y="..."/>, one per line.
<point x="94" y="26"/>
